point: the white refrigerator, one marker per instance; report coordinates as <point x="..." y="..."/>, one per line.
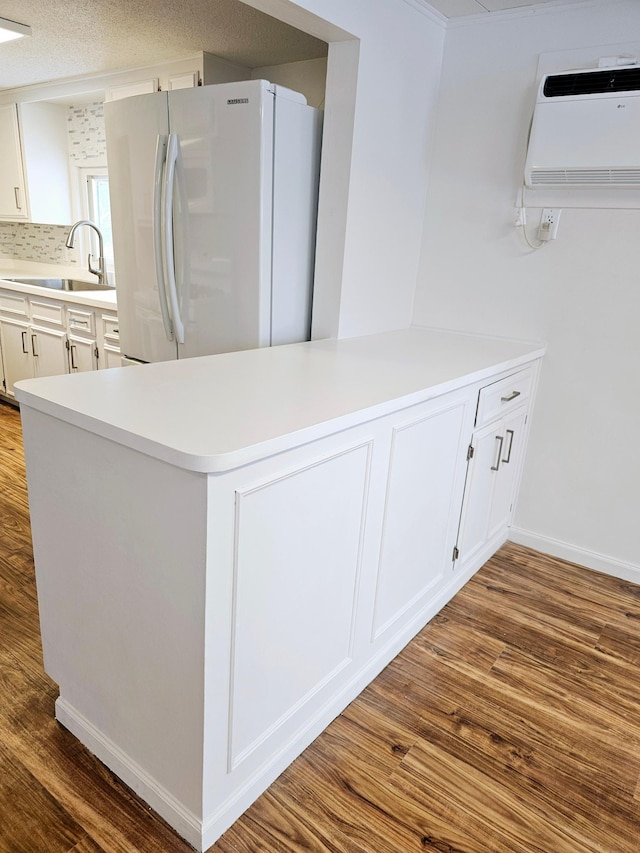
<point x="213" y="203"/>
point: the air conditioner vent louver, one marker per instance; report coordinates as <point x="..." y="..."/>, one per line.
<point x="591" y="83"/>
<point x="584" y="177"/>
<point x="585" y="134"/>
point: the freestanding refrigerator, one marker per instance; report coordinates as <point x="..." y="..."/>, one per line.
<point x="213" y="203"/>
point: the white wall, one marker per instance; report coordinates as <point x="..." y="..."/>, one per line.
<point x="382" y="84"/>
<point x="582" y="293"/>
<point x="308" y="77"/>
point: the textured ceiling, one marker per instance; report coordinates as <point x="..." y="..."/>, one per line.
<point x="78" y="37"/>
<point x="74" y="37"/>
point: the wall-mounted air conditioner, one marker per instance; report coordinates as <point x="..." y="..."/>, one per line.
<point x="586" y="130"/>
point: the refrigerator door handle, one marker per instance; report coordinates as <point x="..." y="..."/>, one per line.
<point x="173" y="152"/>
<point x="161" y="156"/>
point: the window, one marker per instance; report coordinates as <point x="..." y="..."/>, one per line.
<point x="94" y="203"/>
<point x="100" y="210"/>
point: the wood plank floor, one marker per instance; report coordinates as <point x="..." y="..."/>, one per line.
<point x="511" y="723"/>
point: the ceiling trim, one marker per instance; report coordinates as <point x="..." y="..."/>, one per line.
<point x="428" y="11"/>
<point x="522" y="12"/>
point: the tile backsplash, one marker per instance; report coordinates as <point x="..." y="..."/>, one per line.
<point x="87" y="142"/>
<point x="26" y="241"/>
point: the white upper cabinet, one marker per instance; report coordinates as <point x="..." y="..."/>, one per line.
<point x="12" y="195"/>
<point x="34" y="168"/>
<point x="201" y="69"/>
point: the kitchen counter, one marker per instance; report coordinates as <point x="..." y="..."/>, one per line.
<point x="218" y="412"/>
<point x="229" y="549"/>
<point x="23" y="269"/>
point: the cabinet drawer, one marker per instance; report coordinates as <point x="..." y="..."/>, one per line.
<point x="81" y="321"/>
<point x="110" y="328"/>
<point x="47" y="312"/>
<point x="504" y="395"/>
<point x="13" y="304"/>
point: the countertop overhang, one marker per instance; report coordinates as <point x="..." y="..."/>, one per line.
<point x="215" y="413"/>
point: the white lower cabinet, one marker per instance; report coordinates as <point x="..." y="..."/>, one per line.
<point x="83" y="354"/>
<point x="426" y="474"/>
<point x="16" y="355"/>
<point x="49" y="351"/>
<point x="82" y="342"/>
<point x="495" y="455"/>
<point x="30" y="351"/>
<point x="110" y="351"/>
<point x="48" y="337"/>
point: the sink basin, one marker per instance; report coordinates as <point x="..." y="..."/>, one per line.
<point x="69" y="284"/>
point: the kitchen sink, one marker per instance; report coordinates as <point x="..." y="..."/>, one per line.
<point x="68" y="284"/>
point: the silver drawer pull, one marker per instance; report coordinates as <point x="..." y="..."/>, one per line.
<point x="511" y="397"/>
<point x="497" y="465"/>
<point x="75" y="322"/>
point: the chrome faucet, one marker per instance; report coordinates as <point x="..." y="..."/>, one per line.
<point x="100" y="271"/>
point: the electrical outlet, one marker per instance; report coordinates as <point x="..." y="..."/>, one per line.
<point x="549" y="220"/>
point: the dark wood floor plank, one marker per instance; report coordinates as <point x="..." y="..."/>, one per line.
<point x="280" y="822"/>
<point x="617" y="598"/>
<point x="32" y="820"/>
<point x="465" y="810"/>
<point x="621" y="642"/>
<point x="87" y="845"/>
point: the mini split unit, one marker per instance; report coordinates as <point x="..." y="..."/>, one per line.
<point x="586" y="130"/>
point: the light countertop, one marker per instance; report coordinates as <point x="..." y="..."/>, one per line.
<point x="215" y="413"/>
<point x="23" y="269"/>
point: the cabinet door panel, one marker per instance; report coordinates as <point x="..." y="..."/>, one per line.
<point x="49" y="348"/>
<point x="12" y="195"/>
<point x="512" y="430"/>
<point x="481" y="480"/>
<point x="82" y="355"/>
<point x="424" y="492"/>
<point x="16" y="353"/>
<point x="296" y="567"/>
<point x="491" y="481"/>
<point x="111" y="356"/>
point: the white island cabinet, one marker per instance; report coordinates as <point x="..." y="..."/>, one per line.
<point x="229" y="548"/>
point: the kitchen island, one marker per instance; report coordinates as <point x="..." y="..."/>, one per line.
<point x="229" y="548"/>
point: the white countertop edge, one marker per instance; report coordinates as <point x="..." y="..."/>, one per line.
<point x="226" y="461"/>
<point x="91" y="298"/>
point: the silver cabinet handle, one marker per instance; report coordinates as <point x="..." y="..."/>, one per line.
<point x="511" y="397"/>
<point x="508" y="459"/>
<point x="16" y="192"/>
<point x="24" y="343"/>
<point x="34" y="338"/>
<point x="497" y="465"/>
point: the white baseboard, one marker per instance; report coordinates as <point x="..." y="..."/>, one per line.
<point x="144" y="785"/>
<point x="582" y="556"/>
